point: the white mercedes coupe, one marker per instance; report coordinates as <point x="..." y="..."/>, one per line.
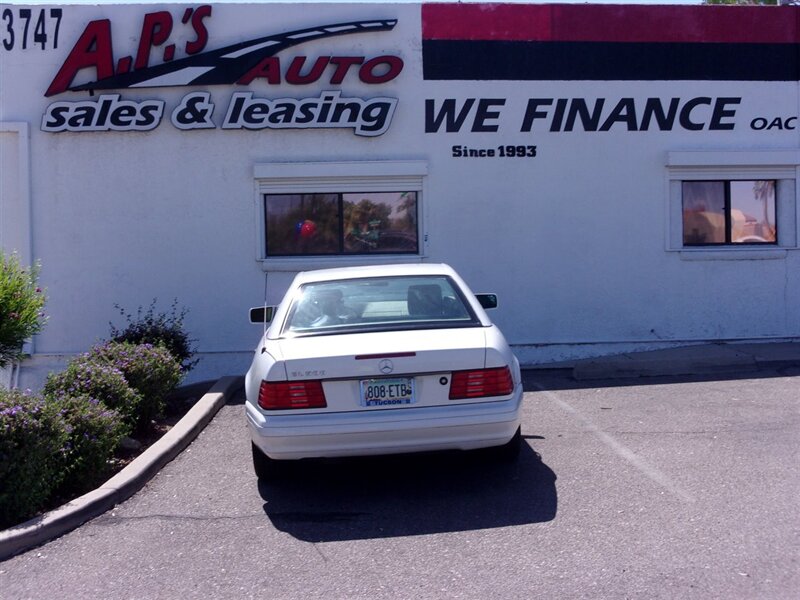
<point x="380" y="360"/>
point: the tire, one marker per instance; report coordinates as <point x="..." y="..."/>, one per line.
<point x="265" y="467"/>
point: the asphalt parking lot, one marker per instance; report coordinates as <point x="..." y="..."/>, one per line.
<point x="659" y="488"/>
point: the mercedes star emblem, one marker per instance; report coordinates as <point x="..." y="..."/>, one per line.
<point x="386" y="366"/>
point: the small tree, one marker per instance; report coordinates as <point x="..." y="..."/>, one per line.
<point x="21" y="305"/>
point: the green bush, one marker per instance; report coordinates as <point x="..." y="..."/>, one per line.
<point x="93" y="434"/>
<point x="21" y="304"/>
<point x="150" y="370"/>
<point x="32" y="439"/>
<point x="86" y="375"/>
<point x="62" y="444"/>
<point x="159" y="329"/>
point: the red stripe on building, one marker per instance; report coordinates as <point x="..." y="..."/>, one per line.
<point x="611" y="23"/>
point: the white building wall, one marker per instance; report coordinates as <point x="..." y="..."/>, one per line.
<point x="574" y="241"/>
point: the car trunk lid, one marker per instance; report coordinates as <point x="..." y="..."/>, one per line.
<point x="342" y="362"/>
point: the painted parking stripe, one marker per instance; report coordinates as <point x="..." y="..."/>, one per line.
<point x="651" y="472"/>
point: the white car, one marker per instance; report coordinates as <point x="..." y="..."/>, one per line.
<point x="380" y="360"/>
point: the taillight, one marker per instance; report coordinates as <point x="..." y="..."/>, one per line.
<point x="281" y="395"/>
<point x="481" y="383"/>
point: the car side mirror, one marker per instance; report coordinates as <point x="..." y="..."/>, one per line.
<point x="487" y="301"/>
<point x="262" y="314"/>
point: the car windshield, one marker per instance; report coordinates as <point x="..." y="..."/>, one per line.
<point x="378" y="304"/>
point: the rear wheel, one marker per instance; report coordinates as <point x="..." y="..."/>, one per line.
<point x="265" y="467"/>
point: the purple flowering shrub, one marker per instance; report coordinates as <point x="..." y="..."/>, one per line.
<point x="85" y="375"/>
<point x="60" y="445"/>
<point x="32" y="437"/>
<point x="150" y="370"/>
<point x="93" y="434"/>
<point x="21" y="305"/>
<point x="159" y="329"/>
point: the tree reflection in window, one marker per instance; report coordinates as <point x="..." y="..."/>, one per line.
<point x="341" y="223"/>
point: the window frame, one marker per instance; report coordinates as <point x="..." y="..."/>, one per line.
<point x="338" y="178"/>
<point x="728" y="214"/>
<point x="781" y="166"/>
<point x="341" y="233"/>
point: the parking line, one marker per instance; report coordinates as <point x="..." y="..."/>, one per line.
<point x="620" y="449"/>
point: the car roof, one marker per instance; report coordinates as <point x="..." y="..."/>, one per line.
<point x="391" y="270"/>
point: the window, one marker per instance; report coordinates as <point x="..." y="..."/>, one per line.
<point x="378" y="304"/>
<point x="732" y="205"/>
<point x="341" y="223"/>
<point x="324" y="214"/>
<point x="729" y="212"/>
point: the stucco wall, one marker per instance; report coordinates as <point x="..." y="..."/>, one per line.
<point x="574" y="241"/>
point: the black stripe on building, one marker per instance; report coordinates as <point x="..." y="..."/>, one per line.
<point x="608" y="61"/>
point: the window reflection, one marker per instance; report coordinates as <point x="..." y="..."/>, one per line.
<point x="753" y="212"/>
<point x="383" y="222"/>
<point x="703" y="212"/>
<point x="341" y="223"/>
<point x="302" y="224"/>
<point x="728" y="212"/>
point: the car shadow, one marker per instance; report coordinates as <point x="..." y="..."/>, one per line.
<point x="416" y="494"/>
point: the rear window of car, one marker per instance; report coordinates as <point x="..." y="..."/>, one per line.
<point x="378" y="304"/>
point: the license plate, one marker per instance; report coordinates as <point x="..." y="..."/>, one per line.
<point x="387" y="392"/>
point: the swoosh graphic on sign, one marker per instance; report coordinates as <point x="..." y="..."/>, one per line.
<point x="227" y="65"/>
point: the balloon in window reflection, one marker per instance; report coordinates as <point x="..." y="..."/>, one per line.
<point x="305" y="229"/>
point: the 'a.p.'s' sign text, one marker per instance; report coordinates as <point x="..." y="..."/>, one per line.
<point x="241" y="64"/>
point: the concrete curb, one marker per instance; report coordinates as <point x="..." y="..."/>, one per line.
<point x="125" y="483"/>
